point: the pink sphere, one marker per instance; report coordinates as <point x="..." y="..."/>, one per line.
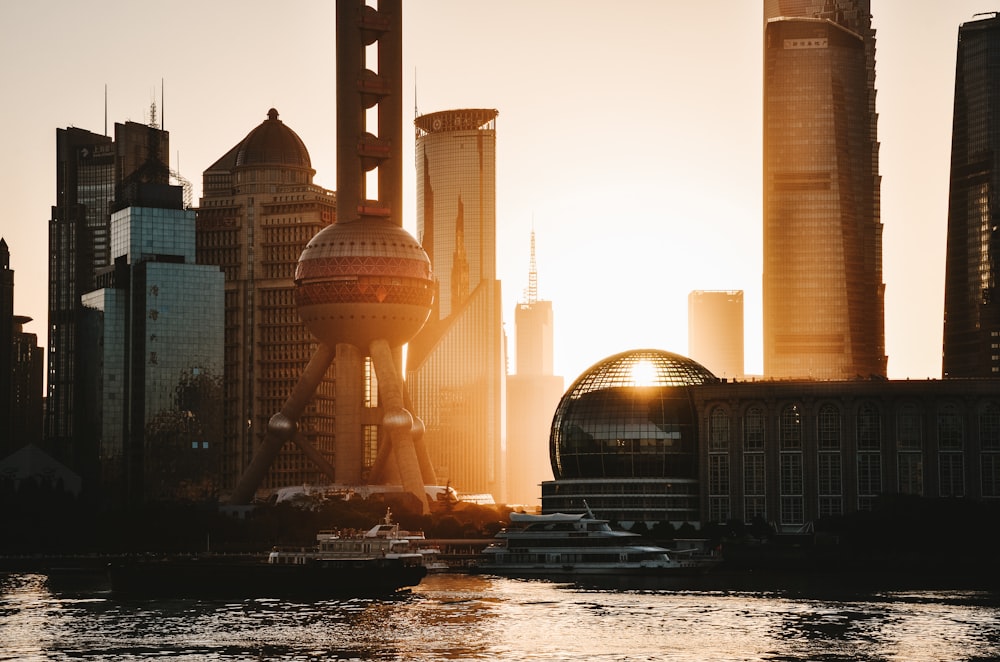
<point x="364" y="280"/>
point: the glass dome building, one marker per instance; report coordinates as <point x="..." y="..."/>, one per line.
<point x="625" y="440"/>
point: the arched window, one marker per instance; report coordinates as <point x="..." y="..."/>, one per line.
<point x="791" y="428"/>
<point x="869" y="427"/>
<point x="828" y="428"/>
<point x="949" y="428"/>
<point x="909" y="428"/>
<point x="753" y="429"/>
<point x="718" y="427"/>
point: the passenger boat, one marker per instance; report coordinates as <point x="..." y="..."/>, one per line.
<point x="578" y="544"/>
<point x="340" y="565"/>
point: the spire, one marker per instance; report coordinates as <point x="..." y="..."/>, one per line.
<point x="532" y="274"/>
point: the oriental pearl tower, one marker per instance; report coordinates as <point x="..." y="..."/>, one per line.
<point x="363" y="286"/>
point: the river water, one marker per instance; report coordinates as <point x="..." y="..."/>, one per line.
<point x="467" y="617"/>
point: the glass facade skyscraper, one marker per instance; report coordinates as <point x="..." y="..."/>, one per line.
<point x="456" y="365"/>
<point x="152" y="361"/>
<point x="971" y="304"/>
<point x="93" y="177"/>
<point x="822" y="272"/>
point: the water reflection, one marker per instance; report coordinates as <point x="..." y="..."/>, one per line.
<point x="460" y="617"/>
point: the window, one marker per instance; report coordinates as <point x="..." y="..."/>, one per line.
<point x="828" y="428"/>
<point x="791" y="474"/>
<point x="910" y="468"/>
<point x="989" y="427"/>
<point x="753" y="474"/>
<point x="869" y="479"/>
<point x="909" y="428"/>
<point x="951" y="475"/>
<point x="949" y="428"/>
<point x="991" y="474"/>
<point x="718" y="474"/>
<point x="753" y="429"/>
<point x="790" y="430"/>
<point x="719" y="430"/>
<point x="869" y="427"/>
<point x="792" y="510"/>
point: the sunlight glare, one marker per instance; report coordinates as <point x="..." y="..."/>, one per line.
<point x="644" y="374"/>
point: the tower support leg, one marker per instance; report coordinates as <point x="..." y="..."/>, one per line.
<point x="281" y="427"/>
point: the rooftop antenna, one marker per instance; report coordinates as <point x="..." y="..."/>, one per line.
<point x="105" y="109"/>
<point x="416" y="112"/>
<point x="163" y="109"/>
<point x="532" y="270"/>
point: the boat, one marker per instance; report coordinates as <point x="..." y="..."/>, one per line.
<point x="341" y="564"/>
<point x="558" y="544"/>
<point x="402" y="541"/>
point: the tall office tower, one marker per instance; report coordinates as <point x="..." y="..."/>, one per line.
<point x="532" y="396"/>
<point x="151" y="365"/>
<point x="715" y="331"/>
<point x="259" y="208"/>
<point x="90" y="169"/>
<point x="21" y="370"/>
<point x="822" y="273"/>
<point x="455" y="366"/>
<point x="972" y="271"/>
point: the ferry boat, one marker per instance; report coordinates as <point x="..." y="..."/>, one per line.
<point x="374" y="563"/>
<point x="578" y="544"/>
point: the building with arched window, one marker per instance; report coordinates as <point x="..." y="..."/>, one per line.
<point x="786" y="452"/>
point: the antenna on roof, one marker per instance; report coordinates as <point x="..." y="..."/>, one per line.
<point x="531" y="294"/>
<point x="105" y="109"/>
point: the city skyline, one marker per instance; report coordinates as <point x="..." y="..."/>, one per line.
<point x="563" y="168"/>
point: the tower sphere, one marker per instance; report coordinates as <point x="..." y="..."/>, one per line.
<point x="359" y="281"/>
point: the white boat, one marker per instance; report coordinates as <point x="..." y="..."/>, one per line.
<point x="578" y="544"/>
<point x="384" y="540"/>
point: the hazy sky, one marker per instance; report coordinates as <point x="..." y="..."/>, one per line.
<point x="629" y="137"/>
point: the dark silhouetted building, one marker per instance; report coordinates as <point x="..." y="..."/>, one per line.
<point x="651" y="436"/>
<point x="93" y="175"/>
<point x="532" y="395"/>
<point x="715" y="331"/>
<point x="259" y="209"/>
<point x="455" y="365"/>
<point x="21" y="370"/>
<point x="822" y="271"/>
<point x="972" y="291"/>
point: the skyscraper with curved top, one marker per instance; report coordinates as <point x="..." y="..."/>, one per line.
<point x="456" y="364"/>
<point x="822" y="273"/>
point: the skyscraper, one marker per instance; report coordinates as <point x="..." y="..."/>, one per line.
<point x="259" y="209"/>
<point x="92" y="171"/>
<point x="532" y="396"/>
<point x="822" y="274"/>
<point x="971" y="296"/>
<point x="455" y="366"/>
<point x="151" y="359"/>
<point x="21" y="369"/>
<point x="715" y="331"/>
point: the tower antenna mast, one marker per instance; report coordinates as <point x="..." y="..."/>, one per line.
<point x="532" y="272"/>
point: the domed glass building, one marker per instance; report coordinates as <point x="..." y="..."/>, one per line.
<point x="625" y="439"/>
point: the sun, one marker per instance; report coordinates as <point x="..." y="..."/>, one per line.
<point x="644" y="374"/>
